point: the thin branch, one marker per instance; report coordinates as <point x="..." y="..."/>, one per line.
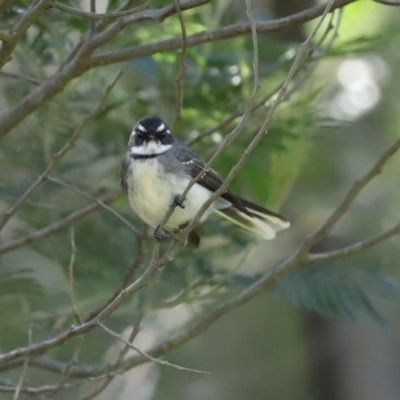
<point x="110" y="371"/>
<point x="24" y="369"/>
<point x="357" y="187"/>
<point x="97" y="201"/>
<point x="25" y="78"/>
<point x="141" y="254"/>
<point x="121" y="356"/>
<point x="99" y="389"/>
<point x="59" y="155"/>
<point x="354" y="248"/>
<point x="58" y="225"/>
<point x="182" y="69"/>
<point x="92" y="15"/>
<point x="149" y="357"/>
<point x="21" y="379"/>
<point x="68" y="366"/>
<point x="71" y="278"/>
<point x="213" y="35"/>
<point x="388" y="3"/>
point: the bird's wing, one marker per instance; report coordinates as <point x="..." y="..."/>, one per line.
<point x="193" y="165"/>
<point x="123" y="173"/>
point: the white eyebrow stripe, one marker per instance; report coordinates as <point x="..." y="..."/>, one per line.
<point x="141" y="128"/>
<point x="160" y="128"/>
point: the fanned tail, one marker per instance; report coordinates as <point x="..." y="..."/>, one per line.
<point x="260" y="221"/>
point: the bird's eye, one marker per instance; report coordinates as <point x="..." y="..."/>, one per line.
<point x="140" y="134"/>
<point x="161" y="134"/>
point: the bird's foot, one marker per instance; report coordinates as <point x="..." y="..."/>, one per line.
<point x="160" y="235"/>
<point x="178" y="201"/>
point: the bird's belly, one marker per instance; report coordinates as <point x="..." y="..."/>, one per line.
<point x="151" y="192"/>
<point x="194" y="200"/>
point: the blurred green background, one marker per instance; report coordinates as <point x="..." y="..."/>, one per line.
<point x="325" y="332"/>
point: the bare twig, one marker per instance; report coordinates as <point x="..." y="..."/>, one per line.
<point x="182" y="69"/>
<point x="149" y="357"/>
<point x="25" y="78"/>
<point x="97" y="201"/>
<point x="141" y="253"/>
<point x="354" y="248"/>
<point x="121" y="356"/>
<point x="388" y="3"/>
<point x="350" y="197"/>
<point x="24" y="369"/>
<point x="57" y="156"/>
<point x="135" y="331"/>
<point x="72" y="362"/>
<point x="58" y="225"/>
<point x="71" y="279"/>
<point x="21" y="379"/>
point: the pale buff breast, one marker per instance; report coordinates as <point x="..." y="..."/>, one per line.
<point x="151" y="192"/>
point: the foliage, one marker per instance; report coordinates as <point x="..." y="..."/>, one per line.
<point x="341" y="289"/>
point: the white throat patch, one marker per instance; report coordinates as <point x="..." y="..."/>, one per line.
<point x="150" y="148"/>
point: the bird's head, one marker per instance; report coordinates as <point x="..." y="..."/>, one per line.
<point x="150" y="136"/>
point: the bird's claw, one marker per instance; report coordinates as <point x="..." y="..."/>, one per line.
<point x="160" y="235"/>
<point x="178" y="202"/>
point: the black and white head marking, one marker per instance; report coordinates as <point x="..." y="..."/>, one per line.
<point x="150" y="137"/>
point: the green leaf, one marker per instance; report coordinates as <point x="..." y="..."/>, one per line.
<point x="339" y="290"/>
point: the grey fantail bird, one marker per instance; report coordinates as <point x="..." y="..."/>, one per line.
<point x="156" y="170"/>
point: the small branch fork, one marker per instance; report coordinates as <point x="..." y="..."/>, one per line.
<point x="147" y="356"/>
